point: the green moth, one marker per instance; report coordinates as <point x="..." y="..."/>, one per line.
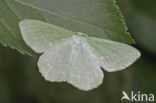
<point x="75" y="58"/>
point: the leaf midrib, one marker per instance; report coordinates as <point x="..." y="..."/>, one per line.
<point x="53" y="13"/>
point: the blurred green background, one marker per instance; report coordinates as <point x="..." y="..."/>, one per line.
<point x="21" y="82"/>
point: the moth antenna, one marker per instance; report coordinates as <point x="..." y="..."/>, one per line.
<point x="82" y="34"/>
<point x="85" y="35"/>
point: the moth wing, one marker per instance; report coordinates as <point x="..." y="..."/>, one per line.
<point x="113" y="56"/>
<point x="54" y="63"/>
<point x="73" y="63"/>
<point x="40" y="36"/>
<point x="86" y="73"/>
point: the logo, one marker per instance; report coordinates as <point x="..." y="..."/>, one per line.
<point x="138" y="96"/>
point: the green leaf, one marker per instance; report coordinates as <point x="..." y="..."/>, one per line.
<point x="98" y="18"/>
<point x="109" y="24"/>
<point x="10" y="14"/>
